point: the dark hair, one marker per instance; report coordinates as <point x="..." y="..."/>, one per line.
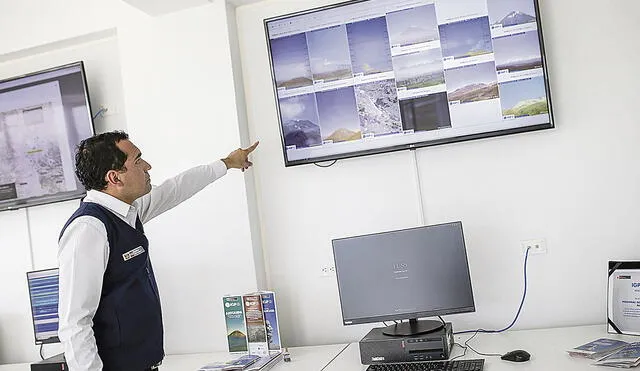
<point x="97" y="155"/>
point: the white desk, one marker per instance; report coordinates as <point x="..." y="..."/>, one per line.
<point x="15" y="367"/>
<point x="302" y="359"/>
<point x="547" y="347"/>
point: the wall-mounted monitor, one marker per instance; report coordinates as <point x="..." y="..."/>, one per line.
<point x="43" y="117"/>
<point x="374" y="76"/>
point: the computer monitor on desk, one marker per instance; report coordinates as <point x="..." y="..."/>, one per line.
<point x="404" y="275"/>
<point x="43" y="292"/>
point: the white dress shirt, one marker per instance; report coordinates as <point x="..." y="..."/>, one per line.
<point x="83" y="255"/>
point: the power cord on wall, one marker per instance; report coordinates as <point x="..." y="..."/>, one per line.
<point x="41" y="356"/>
<point x="476" y="332"/>
<point x="422" y="217"/>
<point x="100" y="112"/>
<point x="524" y="295"/>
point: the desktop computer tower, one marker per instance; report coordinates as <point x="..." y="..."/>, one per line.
<point x="377" y="348"/>
<point x="55" y="363"/>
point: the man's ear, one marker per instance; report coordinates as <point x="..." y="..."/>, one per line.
<point x="112" y="177"/>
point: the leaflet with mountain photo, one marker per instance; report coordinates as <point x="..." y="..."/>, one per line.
<point x="234" y="319"/>
<point x="271" y="320"/>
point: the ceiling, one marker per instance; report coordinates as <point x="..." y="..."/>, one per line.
<point x="242" y="2"/>
<point x="159" y="7"/>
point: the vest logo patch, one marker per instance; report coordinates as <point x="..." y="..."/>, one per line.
<point x="133" y="253"/>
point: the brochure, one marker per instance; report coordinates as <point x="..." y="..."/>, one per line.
<point x="241" y="363"/>
<point x="252" y="323"/>
<point x="271" y="320"/>
<point x="234" y="319"/>
<point x="256" y="328"/>
<point x="265" y="363"/>
<point x="597" y="349"/>
<point x="629" y="356"/>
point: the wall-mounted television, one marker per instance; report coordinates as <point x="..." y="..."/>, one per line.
<point x="372" y="76"/>
<point x="43" y="117"/>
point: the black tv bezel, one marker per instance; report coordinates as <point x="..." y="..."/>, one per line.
<point x="53" y="339"/>
<point x="61" y="196"/>
<point x="408" y="146"/>
<point x="405" y="316"/>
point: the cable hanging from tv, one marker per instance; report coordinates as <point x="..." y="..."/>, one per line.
<point x="329" y="165"/>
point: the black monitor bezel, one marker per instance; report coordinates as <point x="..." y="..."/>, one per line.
<point x="409" y="146"/>
<point x="404" y="316"/>
<point x="51" y="340"/>
<point x="63" y="196"/>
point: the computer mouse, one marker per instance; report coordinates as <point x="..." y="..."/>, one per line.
<point x="516" y="356"/>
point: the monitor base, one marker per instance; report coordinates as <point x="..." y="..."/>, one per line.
<point x="413" y="327"/>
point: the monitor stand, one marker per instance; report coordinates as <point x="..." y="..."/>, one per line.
<point x="413" y="327"/>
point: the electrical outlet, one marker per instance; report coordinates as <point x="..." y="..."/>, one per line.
<point x="537" y="246"/>
<point x="112" y="110"/>
<point x="327" y="270"/>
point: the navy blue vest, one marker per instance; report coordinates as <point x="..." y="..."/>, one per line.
<point x="128" y="323"/>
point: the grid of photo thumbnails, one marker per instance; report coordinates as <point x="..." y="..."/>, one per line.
<point x="430" y="66"/>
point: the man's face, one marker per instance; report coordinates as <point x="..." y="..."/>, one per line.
<point x="136" y="181"/>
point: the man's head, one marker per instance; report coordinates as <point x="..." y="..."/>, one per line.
<point x="110" y="163"/>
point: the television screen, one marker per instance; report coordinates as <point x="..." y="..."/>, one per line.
<point x="43" y="117"/>
<point x="373" y="76"/>
<point x="43" y="293"/>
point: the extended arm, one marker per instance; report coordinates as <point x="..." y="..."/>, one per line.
<point x="186" y="184"/>
<point x="178" y="189"/>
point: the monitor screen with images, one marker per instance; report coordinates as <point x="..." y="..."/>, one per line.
<point x="372" y="76"/>
<point x="403" y="275"/>
<point x="43" y="117"/>
<point x="43" y="292"/>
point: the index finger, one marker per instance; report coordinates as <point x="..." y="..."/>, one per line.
<point x="253" y="146"/>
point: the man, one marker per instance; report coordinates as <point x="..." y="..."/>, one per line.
<point x="110" y="316"/>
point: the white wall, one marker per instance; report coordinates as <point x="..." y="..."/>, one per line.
<point x="243" y="125"/>
<point x="15" y="327"/>
<point x="577" y="186"/>
<point x="100" y="53"/>
<point x="203" y="249"/>
<point x="171" y="81"/>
